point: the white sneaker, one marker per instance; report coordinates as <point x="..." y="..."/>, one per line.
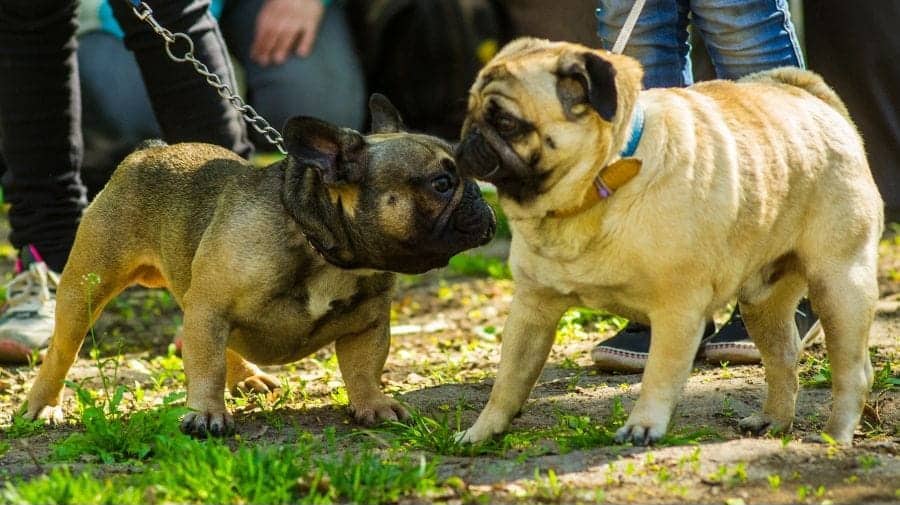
<point x="27" y="318"/>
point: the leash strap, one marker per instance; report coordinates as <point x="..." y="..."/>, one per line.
<point x="259" y="123"/>
<point x="630" y="21"/>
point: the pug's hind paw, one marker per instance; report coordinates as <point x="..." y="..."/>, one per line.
<point x="262" y="383"/>
<point x="639" y="434"/>
<point x="204" y="424"/>
<point x="379" y="410"/>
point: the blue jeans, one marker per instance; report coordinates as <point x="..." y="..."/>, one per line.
<point x="742" y="36"/>
<point x="117" y="114"/>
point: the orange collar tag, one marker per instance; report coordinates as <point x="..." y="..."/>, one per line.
<point x="611" y="177"/>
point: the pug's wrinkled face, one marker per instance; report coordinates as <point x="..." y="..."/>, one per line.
<point x="391" y="200"/>
<point x="543" y="112"/>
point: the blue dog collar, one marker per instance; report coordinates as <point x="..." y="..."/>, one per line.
<point x="637" y="130"/>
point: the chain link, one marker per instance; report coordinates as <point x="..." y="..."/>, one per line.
<point x="145" y="13"/>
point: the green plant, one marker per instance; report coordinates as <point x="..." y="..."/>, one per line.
<point x="885" y="378"/>
<point x="111" y="435"/>
<point x="21" y="427"/>
<point x="61" y="487"/>
<point x="479" y="265"/>
<point x="815" y="372"/>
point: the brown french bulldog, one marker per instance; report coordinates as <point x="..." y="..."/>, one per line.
<point x="269" y="264"/>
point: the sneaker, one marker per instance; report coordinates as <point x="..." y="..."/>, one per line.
<point x="733" y="344"/>
<point x="27" y="318"/>
<point x="627" y="351"/>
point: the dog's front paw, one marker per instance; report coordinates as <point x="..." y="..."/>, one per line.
<point x="640" y="433"/>
<point x="50" y="414"/>
<point x="204" y="424"/>
<point x="262" y="383"/>
<point x="378" y="410"/>
<point x="759" y="424"/>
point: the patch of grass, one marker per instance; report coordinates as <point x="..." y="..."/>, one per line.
<point x="112" y="436"/>
<point x="60" y="486"/>
<point x="189" y="471"/>
<point x="21" y="427"/>
<point x="815" y="372"/>
<point x="886" y="379"/>
<point x="479" y="265"/>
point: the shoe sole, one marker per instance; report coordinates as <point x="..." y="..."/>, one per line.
<point x="740" y="353"/>
<point x="617" y="360"/>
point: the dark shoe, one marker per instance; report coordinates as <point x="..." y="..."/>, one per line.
<point x="627" y="351"/>
<point x="732" y="342"/>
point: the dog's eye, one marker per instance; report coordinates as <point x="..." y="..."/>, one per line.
<point x="505" y="123"/>
<point x="442" y="183"/>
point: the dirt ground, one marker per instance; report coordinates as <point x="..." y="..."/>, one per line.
<point x="444" y="354"/>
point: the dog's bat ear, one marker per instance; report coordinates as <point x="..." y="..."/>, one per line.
<point x="596" y="76"/>
<point x="337" y="154"/>
<point x="385" y="117"/>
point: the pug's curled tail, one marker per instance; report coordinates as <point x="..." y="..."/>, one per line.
<point x="811" y="82"/>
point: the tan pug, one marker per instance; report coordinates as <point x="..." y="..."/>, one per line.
<point x="662" y="205"/>
<point x="269" y="264"/>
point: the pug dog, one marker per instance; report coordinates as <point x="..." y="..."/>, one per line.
<point x="662" y="205"/>
<point x="269" y="264"/>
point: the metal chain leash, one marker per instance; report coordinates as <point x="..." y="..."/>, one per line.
<point x="145" y="14"/>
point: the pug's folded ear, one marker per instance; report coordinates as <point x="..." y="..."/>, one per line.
<point x="385" y="117"/>
<point x="597" y="78"/>
<point x="337" y="154"/>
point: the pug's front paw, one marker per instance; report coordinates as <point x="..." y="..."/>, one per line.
<point x="204" y="424"/>
<point x="52" y="415"/>
<point x="377" y="410"/>
<point x="640" y="433"/>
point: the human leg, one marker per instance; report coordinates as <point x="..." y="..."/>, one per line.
<point x="116" y="109"/>
<point x="748" y="36"/>
<point x="659" y="40"/>
<point x="186" y="107"/>
<point x="327" y="84"/>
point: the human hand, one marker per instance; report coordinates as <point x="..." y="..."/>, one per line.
<point x="284" y="27"/>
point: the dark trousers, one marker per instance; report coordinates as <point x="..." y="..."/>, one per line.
<point x="855" y="46"/>
<point x="40" y="107"/>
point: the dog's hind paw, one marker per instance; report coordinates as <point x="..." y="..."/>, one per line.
<point x="204" y="424"/>
<point x="639" y="435"/>
<point x="376" y="411"/>
<point x="262" y="383"/>
<point x="759" y="424"/>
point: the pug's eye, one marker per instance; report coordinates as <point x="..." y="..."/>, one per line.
<point x="442" y="184"/>
<point x="505" y="123"/>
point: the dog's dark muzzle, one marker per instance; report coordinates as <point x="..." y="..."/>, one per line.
<point x="484" y="155"/>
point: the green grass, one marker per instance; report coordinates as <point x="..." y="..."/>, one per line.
<point x="183" y="470"/>
<point x="112" y="436"/>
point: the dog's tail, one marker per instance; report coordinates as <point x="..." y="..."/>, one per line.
<point x="811" y="82"/>
<point x="150" y="143"/>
